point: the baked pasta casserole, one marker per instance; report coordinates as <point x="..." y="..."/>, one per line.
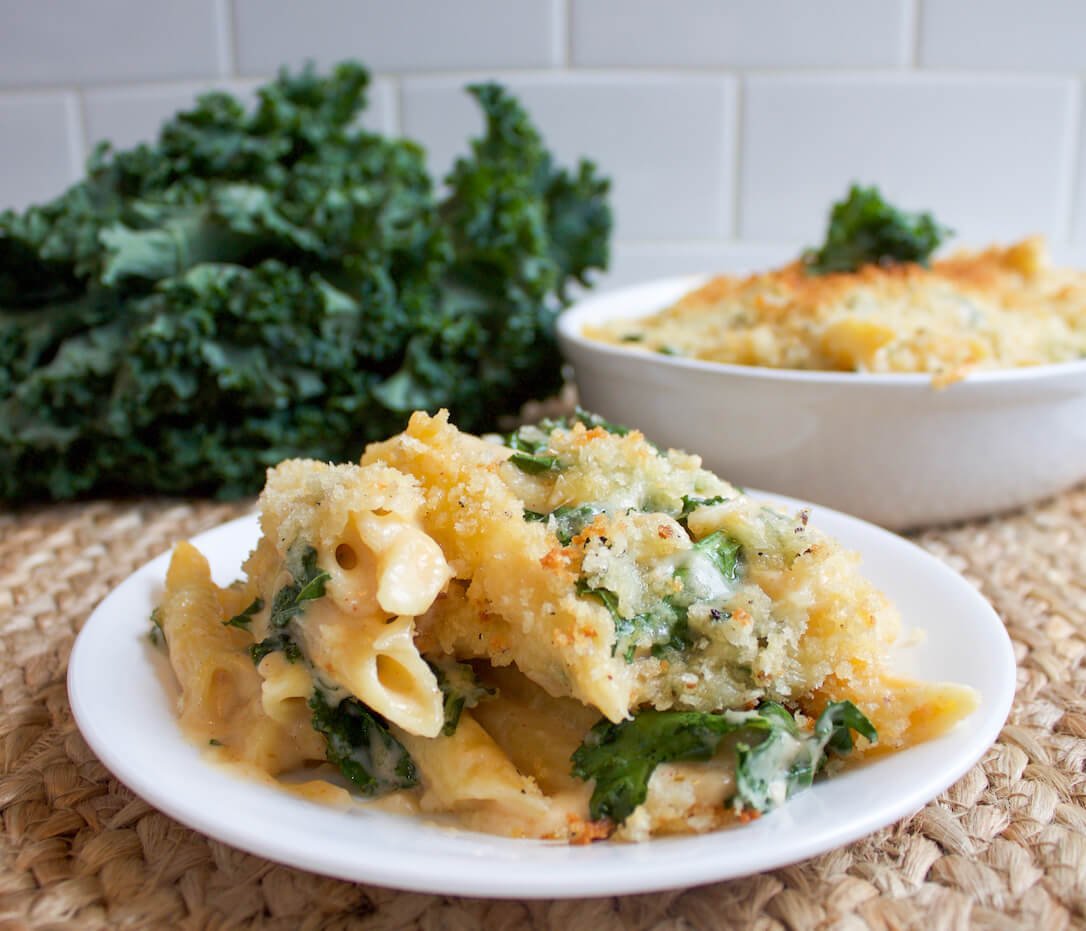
<point x="563" y="633"/>
<point x="999" y="308"/>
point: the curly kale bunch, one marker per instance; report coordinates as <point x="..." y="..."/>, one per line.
<point x="275" y="283"/>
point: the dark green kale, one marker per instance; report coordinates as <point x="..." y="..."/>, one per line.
<point x="460" y="689"/>
<point x="360" y="744"/>
<point x="276" y="643"/>
<point x="865" y="230"/>
<point x="787" y="760"/>
<point x="156" y="634"/>
<point x="774" y="758"/>
<point x="307" y="584"/>
<point x="622" y="757"/>
<point x="245" y="618"/>
<point x="279" y="282"/>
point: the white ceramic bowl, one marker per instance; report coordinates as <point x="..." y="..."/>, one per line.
<point x="889" y="448"/>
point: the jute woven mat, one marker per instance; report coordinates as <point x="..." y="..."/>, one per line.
<point x="1004" y="848"/>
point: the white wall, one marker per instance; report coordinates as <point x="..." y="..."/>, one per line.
<point x="727" y="125"/>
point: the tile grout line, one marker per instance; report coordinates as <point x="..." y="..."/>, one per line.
<point x="914" y="22"/>
<point x="740" y="95"/>
<point x="568" y="44"/>
<point x="226" y="38"/>
<point x="1071" y="215"/>
<point x="78" y="141"/>
<point x="392" y="98"/>
<point x="919" y="78"/>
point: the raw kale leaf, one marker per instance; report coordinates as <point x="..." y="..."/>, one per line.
<point x="866" y="230"/>
<point x="278" y="282"/>
<point x="361" y="745"/>
<point x="774" y="758"/>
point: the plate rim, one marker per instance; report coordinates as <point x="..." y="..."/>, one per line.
<point x="581" y="883"/>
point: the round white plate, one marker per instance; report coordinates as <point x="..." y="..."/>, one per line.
<point x="122" y="698"/>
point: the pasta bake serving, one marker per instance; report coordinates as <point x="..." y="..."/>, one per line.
<point x="862" y="303"/>
<point x="562" y="633"/>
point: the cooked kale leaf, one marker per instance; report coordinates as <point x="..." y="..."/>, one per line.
<point x="865" y="230"/>
<point x="361" y="745"/>
<point x="280" y="282"/>
<point x="281" y="643"/>
<point x="774" y="758"/>
<point x="664" y="627"/>
<point x="691" y="503"/>
<point x="245" y="618"/>
<point x="568" y="520"/>
<point x="156" y="634"/>
<point x="724" y="551"/>
<point x="308" y="585"/>
<point x="535" y="464"/>
<point x="622" y="757"/>
<point x="460" y="689"/>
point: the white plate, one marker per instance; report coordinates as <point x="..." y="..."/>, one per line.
<point x="116" y="686"/>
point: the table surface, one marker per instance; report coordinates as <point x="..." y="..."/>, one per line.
<point x="1004" y="847"/>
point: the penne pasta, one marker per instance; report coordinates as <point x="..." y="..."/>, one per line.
<point x="570" y="635"/>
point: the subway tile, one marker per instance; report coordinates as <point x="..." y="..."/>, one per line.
<point x="989" y="156"/>
<point x="1043" y="35"/>
<point x="1078" y="224"/>
<point x="666" y="142"/>
<point x="36" y="148"/>
<point x="406" y="35"/>
<point x="129" y="115"/>
<point x="68" y="41"/>
<point x="740" y="33"/>
<point x="635" y="262"/>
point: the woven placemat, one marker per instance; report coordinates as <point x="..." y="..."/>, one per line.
<point x="1005" y="847"/>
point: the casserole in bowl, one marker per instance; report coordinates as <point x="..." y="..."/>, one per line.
<point x="893" y="448"/>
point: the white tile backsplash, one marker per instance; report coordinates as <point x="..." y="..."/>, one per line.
<point x="128" y="115"/>
<point x="396" y="35"/>
<point x="740" y="33"/>
<point x="666" y="141"/>
<point x="73" y="41"/>
<point x="991" y="157"/>
<point x="727" y="126"/>
<point x="38" y="151"/>
<point x="1042" y="35"/>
